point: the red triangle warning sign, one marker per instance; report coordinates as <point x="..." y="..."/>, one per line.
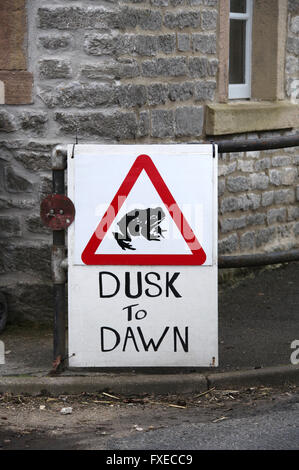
<point x="197" y="255"/>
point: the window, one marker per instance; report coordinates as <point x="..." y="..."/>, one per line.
<point x="258" y="30"/>
<point x="240" y="46"/>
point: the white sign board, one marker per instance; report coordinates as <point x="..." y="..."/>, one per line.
<point x="143" y="256"/>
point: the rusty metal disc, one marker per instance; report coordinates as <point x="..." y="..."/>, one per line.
<point x="57" y="211"/>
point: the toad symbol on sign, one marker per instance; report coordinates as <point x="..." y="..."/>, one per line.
<point x="145" y="222"/>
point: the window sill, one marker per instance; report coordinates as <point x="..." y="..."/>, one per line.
<point x="241" y="117"/>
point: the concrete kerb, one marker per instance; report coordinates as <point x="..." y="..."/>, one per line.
<point x="122" y="384"/>
<point x="268" y="376"/>
<point x="158" y="384"/>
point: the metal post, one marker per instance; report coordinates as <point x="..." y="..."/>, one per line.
<point x="58" y="255"/>
<point x="251" y="145"/>
<point x="259" y="259"/>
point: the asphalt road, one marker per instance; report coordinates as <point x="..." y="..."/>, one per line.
<point x="250" y="419"/>
<point x="275" y="431"/>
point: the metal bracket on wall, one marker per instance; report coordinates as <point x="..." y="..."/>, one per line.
<point x="57" y="212"/>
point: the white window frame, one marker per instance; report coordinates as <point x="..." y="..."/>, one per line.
<point x="243" y="90"/>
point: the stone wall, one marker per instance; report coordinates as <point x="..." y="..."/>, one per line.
<point x="127" y="70"/>
<point x="123" y="72"/>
